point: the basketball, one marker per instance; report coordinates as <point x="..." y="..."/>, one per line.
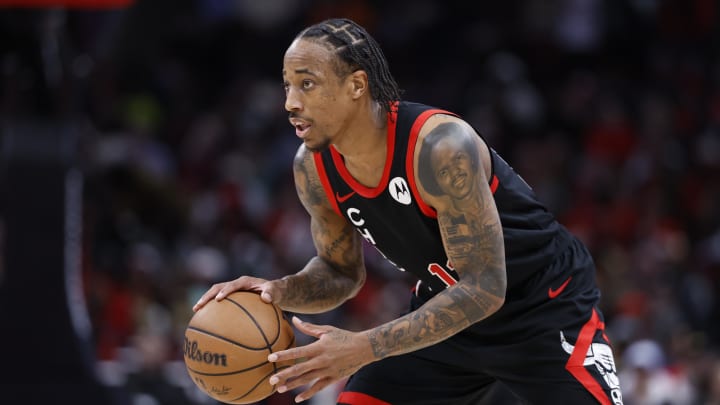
<point x="227" y="343"/>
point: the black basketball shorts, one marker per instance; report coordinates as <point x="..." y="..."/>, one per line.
<point x="545" y="346"/>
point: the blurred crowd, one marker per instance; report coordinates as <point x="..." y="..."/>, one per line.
<point x="609" y="109"/>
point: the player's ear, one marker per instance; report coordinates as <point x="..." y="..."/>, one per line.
<point x="358" y="83"/>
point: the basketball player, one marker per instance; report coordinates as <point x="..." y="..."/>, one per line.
<point x="506" y="295"/>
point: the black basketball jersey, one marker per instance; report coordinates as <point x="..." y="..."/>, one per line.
<point x="393" y="218"/>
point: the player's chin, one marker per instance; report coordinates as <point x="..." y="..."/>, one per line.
<point x="316" y="146"/>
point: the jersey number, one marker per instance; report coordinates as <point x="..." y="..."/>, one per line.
<point x="440" y="271"/>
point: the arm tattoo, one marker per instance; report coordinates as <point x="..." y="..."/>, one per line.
<point x="317" y="288"/>
<point x="450" y="170"/>
<point x="308" y="186"/>
<point x="338" y="271"/>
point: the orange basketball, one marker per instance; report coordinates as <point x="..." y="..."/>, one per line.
<point x="227" y="343"/>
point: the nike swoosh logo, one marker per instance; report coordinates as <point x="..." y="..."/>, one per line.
<point x="342" y="199"/>
<point x="554" y="293"/>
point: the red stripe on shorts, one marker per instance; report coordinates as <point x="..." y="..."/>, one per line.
<point x="577" y="358"/>
<point x="358" y="398"/>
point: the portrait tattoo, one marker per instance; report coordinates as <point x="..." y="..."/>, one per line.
<point x="448" y="160"/>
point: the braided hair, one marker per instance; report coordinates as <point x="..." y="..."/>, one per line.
<point x="358" y="51"/>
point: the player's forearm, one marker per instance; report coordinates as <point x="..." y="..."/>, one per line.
<point x="443" y="316"/>
<point x="319" y="288"/>
<point x="479" y="293"/>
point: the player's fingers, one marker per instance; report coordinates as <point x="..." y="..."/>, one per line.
<point x="310" y="329"/>
<point x="209" y="294"/>
<point x="228" y="288"/>
<point x="290" y="354"/>
<point x="269" y="292"/>
<point x="299" y="381"/>
<point x="266" y="296"/>
<point x="296" y="370"/>
<point x="314" y="389"/>
<point x="242" y="283"/>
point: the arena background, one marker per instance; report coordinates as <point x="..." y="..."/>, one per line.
<point x="145" y="154"/>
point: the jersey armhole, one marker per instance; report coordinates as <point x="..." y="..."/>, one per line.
<point x="409" y="159"/>
<point x="322" y="174"/>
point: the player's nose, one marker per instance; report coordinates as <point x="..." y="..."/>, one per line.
<point x="292" y="100"/>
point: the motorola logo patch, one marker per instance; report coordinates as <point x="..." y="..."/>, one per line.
<point x="400" y="191"/>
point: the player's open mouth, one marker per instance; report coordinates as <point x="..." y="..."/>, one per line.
<point x="301" y="130"/>
<point x="301" y="127"/>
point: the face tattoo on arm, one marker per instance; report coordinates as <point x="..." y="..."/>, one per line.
<point x="449" y="168"/>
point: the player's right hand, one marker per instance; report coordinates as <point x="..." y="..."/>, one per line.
<point x="243" y="283"/>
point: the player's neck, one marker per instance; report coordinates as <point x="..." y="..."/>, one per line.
<point x="364" y="145"/>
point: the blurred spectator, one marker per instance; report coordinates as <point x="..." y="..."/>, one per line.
<point x="647" y="379"/>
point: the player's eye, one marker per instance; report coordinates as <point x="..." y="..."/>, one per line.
<point x="307" y="84"/>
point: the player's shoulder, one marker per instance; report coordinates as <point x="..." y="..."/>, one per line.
<point x="304" y="167"/>
<point x="448" y="124"/>
<point x="429" y="116"/>
<point x="304" y="158"/>
<point x="457" y="137"/>
<point x="307" y="181"/>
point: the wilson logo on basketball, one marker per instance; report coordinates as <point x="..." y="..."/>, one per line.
<point x="195" y="353"/>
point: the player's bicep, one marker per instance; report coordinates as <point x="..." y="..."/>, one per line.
<point x="336" y="241"/>
<point x="453" y="180"/>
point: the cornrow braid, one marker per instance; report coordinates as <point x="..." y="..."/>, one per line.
<point x="359" y="51"/>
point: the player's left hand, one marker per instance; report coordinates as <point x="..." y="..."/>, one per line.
<point x="335" y="354"/>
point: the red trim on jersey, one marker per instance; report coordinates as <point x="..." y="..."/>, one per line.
<point x="494" y="183"/>
<point x="410" y="168"/>
<point x="577" y="358"/>
<point x="363" y="190"/>
<point x="325" y="181"/>
<point x="358" y="398"/>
